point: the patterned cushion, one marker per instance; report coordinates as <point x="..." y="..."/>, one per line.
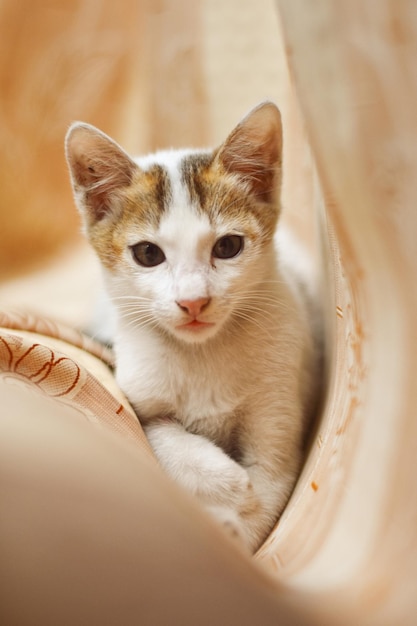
<point x="69" y="368"/>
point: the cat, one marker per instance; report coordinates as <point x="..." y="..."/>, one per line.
<point x="214" y="342"/>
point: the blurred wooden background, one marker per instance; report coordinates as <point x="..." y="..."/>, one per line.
<point x="150" y="73"/>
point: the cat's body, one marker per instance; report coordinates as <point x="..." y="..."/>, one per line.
<point x="214" y="344"/>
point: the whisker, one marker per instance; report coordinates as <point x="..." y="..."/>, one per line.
<point x="254" y="301"/>
<point x="257" y="315"/>
<point x="128" y="310"/>
<point x="137" y="323"/>
<point x="135" y="312"/>
<point x="135" y="308"/>
<point x="243" y="316"/>
<point x="254" y="307"/>
<point x="131" y="298"/>
<point x="260" y="296"/>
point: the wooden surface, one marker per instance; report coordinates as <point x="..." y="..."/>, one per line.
<point x="349" y="537"/>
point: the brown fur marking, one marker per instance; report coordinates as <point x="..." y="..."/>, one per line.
<point x="141" y="205"/>
<point x="217" y="193"/>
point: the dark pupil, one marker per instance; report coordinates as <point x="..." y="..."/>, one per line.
<point x="147" y="254"/>
<point x="228" y="247"/>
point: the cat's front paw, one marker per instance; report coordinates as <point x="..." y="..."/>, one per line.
<point x="222" y="481"/>
<point x="198" y="465"/>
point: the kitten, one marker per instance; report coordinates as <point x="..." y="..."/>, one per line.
<point x="214" y="344"/>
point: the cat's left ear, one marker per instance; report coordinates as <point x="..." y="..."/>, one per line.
<point x="99" y="169"/>
<point x="253" y="151"/>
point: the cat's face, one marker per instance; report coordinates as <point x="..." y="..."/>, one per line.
<point x="190" y="266"/>
<point x="185" y="237"/>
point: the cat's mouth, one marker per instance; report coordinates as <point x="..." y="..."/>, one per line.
<point x="195" y="325"/>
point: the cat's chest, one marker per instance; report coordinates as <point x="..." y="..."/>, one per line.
<point x="193" y="388"/>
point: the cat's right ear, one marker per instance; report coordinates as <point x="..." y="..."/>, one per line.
<point x="99" y="169"/>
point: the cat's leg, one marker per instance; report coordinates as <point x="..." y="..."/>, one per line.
<point x="250" y="513"/>
<point x="271" y="457"/>
<point x="247" y="497"/>
<point x="196" y="463"/>
<point x="204" y="470"/>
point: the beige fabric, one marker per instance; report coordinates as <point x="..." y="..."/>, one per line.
<point x="92" y="532"/>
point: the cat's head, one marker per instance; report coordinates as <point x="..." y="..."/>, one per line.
<point x="185" y="237"/>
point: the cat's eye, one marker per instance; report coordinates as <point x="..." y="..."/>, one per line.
<point x="147" y="254"/>
<point x="228" y="247"/>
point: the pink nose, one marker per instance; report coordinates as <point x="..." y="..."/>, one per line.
<point x="193" y="307"/>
